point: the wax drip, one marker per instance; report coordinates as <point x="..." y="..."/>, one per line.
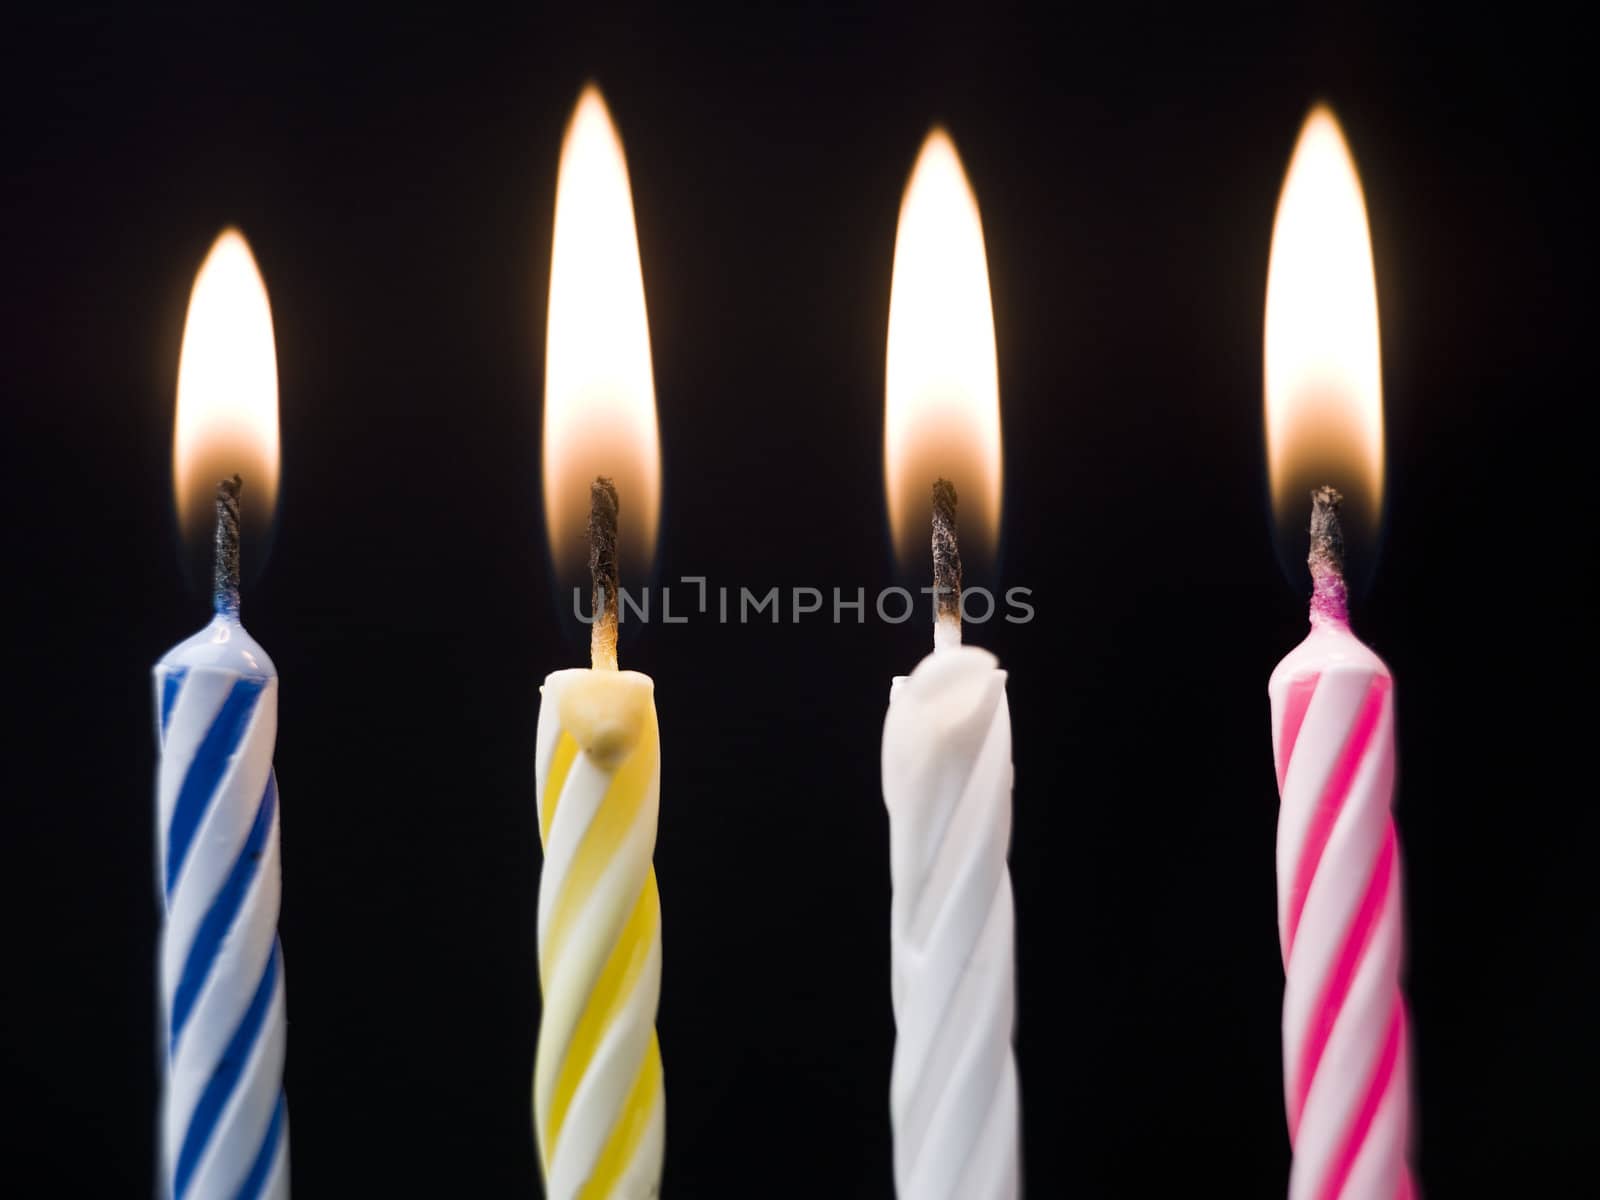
<point x="225" y="565"/>
<point x="603" y="506"/>
<point x="946" y="566"/>
<point x="1329" y="597"/>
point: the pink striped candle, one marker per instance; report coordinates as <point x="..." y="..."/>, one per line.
<point x="1339" y="907"/>
<point x="1340" y="919"/>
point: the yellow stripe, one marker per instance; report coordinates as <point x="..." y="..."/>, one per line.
<point x="629" y="1130"/>
<point x="618" y="810"/>
<point x="614" y="985"/>
<point x="561" y="760"/>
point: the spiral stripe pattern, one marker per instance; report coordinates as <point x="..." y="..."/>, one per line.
<point x="225" y="1125"/>
<point x="1340" y="924"/>
<point x="947" y="784"/>
<point x="599" y="1098"/>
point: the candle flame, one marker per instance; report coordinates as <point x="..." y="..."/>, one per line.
<point x="227" y="413"/>
<point x="599" y="395"/>
<point x="942" y="385"/>
<point x="1324" y="387"/>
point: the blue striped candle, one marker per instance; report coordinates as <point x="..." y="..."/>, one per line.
<point x="225" y="1132"/>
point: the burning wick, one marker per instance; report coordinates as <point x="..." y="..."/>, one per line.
<point x="603" y="507"/>
<point x="225" y="567"/>
<point x="946" y="567"/>
<point x="1329" y="598"/>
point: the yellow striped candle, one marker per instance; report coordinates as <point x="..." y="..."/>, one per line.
<point x="599" y="1105"/>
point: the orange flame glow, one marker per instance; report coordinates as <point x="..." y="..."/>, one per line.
<point x="942" y="386"/>
<point x="1324" y="386"/>
<point x="599" y="394"/>
<point x="227" y="413"/>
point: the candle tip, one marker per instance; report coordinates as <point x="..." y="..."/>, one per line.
<point x="1329" y="597"/>
<point x="946" y="564"/>
<point x="603" y="572"/>
<point x="225" y="568"/>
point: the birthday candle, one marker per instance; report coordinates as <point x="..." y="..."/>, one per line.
<point x="1340" y="912"/>
<point x="224" y="1126"/>
<point x="598" y="1093"/>
<point x="947" y="785"/>
<point x="947" y="736"/>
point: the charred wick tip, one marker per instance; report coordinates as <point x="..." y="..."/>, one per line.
<point x="225" y="565"/>
<point x="1326" y="559"/>
<point x="946" y="553"/>
<point x="1327" y="534"/>
<point x="603" y="570"/>
<point x="603" y="537"/>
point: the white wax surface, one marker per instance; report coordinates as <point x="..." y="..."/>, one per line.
<point x="947" y="785"/>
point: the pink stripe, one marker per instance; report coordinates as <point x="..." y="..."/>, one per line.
<point x="1382" y="1076"/>
<point x="1294" y="715"/>
<point x="1337" y="989"/>
<point x="1333" y="797"/>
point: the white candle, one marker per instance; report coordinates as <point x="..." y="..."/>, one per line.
<point x="947" y="785"/>
<point x="947" y="736"/>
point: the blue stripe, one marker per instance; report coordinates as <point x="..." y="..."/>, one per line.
<point x="224" y="910"/>
<point x="224" y="1079"/>
<point x="171" y="685"/>
<point x="255" y="1182"/>
<point x="206" y="770"/>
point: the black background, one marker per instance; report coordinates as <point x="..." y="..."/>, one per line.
<point x="396" y="180"/>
